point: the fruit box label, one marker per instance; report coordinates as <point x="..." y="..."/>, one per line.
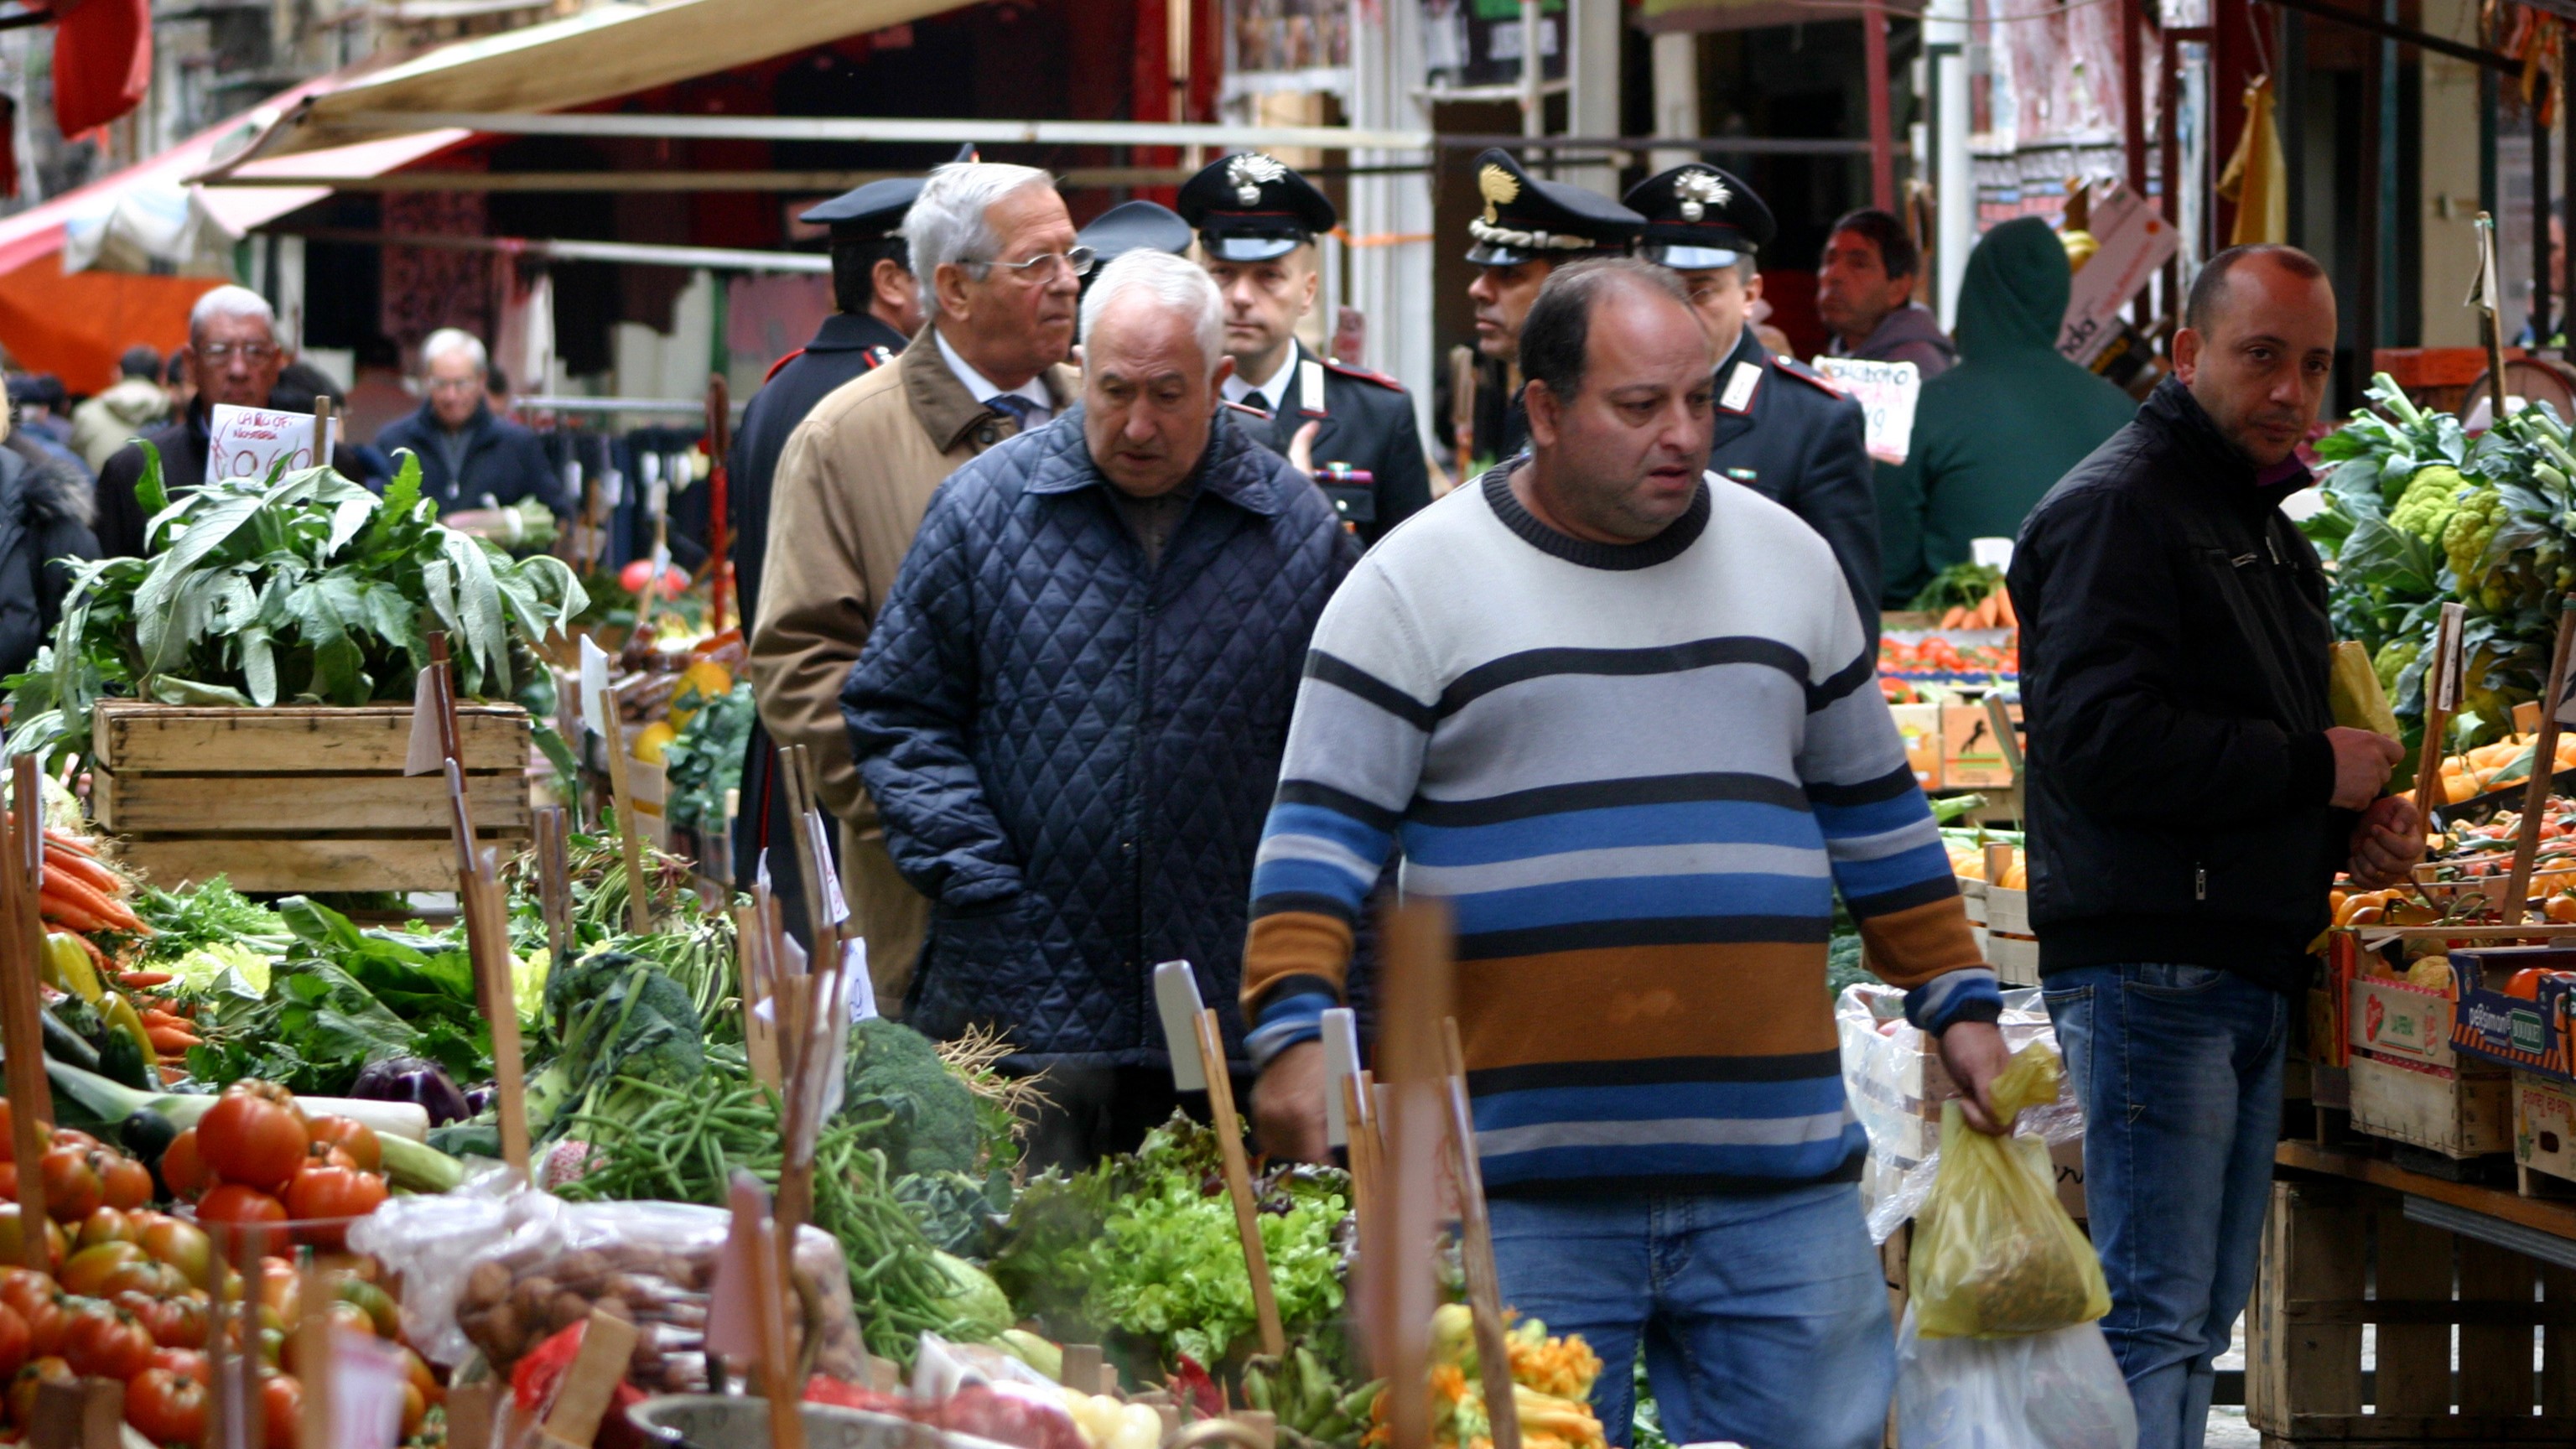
<point x="2392" y="1019"/>
<point x="2531" y="1034"/>
<point x="2544" y="1125"/>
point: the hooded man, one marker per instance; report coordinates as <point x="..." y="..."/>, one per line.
<point x="1995" y="433"/>
<point x="124" y="411"/>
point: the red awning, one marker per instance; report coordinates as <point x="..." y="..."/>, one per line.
<point x="102" y="60"/>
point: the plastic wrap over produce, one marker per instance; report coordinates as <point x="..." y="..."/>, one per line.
<point x="500" y="1274"/>
<point x="1893" y="1075"/>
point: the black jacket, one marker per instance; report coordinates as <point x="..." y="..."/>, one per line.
<point x="1786" y="432"/>
<point x="1073" y="750"/>
<point x="2173" y="676"/>
<point x="1367" y="424"/>
<point x="503" y="461"/>
<point x="45" y="511"/>
<point x="181" y="443"/>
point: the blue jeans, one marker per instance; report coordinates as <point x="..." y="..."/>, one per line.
<point x="2179" y="1072"/>
<point x="1764" y="1315"/>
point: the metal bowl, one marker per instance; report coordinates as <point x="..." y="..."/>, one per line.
<point x="720" y="1421"/>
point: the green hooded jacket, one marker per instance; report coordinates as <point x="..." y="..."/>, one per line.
<point x="1995" y="433"/>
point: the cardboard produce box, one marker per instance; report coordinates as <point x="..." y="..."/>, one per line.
<point x="2544" y="1130"/>
<point x="2531" y="1034"/>
<point x="1971" y="757"/>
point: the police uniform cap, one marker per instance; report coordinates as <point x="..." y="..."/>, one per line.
<point x="1248" y="207"/>
<point x="1528" y="219"/>
<point x="1134" y="226"/>
<point x="871" y="213"/>
<point x="1699" y="217"/>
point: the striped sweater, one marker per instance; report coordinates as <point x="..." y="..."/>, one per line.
<point x="1638" y="775"/>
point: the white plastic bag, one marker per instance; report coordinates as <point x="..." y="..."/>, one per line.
<point x="2056" y="1390"/>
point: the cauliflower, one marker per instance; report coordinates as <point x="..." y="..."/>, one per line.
<point x="2432" y="495"/>
<point x="2465" y="537"/>
<point x="2392" y="660"/>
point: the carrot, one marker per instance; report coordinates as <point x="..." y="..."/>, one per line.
<point x="2004" y="609"/>
<point x="157" y="1017"/>
<point x="89" y="898"/>
<point x="97" y="957"/>
<point x="1956" y="618"/>
<point x="170" y="1041"/>
<point x="64" y="913"/>
<point x="142" y="980"/>
<point x="87" y="871"/>
<point x="70" y="842"/>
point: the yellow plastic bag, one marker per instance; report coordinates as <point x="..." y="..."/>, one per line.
<point x="1994" y="1254"/>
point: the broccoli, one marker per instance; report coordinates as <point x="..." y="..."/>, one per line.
<point x="2432" y="496"/>
<point x="935" y="1126"/>
<point x="618" y="1015"/>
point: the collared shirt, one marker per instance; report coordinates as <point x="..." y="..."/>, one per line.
<point x="1041" y="406"/>
<point x="1268" y="395"/>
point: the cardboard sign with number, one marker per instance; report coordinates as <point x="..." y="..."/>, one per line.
<point x="248" y="442"/>
<point x="1888" y="392"/>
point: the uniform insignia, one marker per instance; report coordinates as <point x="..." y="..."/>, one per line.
<point x="1310" y="388"/>
<point x="879" y="356"/>
<point x="1250" y="172"/>
<point x="1741" y="475"/>
<point x="1699" y="191"/>
<point x="1499" y="187"/>
<point x="1363" y="374"/>
<point x="1740" y="383"/>
<point x="780" y="363"/>
<point x="1809" y="376"/>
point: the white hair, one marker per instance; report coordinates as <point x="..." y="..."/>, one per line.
<point x="1175" y="283"/>
<point x="448" y="340"/>
<point x="231" y="301"/>
<point x="948" y="223"/>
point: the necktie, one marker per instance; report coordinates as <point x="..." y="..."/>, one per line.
<point x="1020" y="408"/>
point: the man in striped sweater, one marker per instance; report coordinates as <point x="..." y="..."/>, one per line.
<point x="1624" y="719"/>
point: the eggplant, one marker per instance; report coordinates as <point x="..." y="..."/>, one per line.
<point x="416" y="1080"/>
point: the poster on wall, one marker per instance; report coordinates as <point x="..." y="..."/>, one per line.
<point x="1479" y="43"/>
<point x="1286" y="37"/>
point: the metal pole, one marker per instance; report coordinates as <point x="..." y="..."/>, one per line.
<point x="1533" y="74"/>
<point x="2540" y="314"/>
<point x="1882" y="139"/>
<point x="2367" y="218"/>
<point x="1954" y="177"/>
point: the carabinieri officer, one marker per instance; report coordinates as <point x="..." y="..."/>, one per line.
<point x="1257" y="222"/>
<point x="880" y="309"/>
<point x="1528" y="229"/>
<point x="1783" y="429"/>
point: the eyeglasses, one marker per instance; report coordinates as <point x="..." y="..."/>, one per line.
<point x="219" y="352"/>
<point x="1077" y="261"/>
<point x="456" y="384"/>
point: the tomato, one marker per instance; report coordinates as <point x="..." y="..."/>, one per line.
<point x="353" y="1137"/>
<point x="72" y="1187"/>
<point x="418" y="1371"/>
<point x="107" y="1225"/>
<point x="15" y="1341"/>
<point x="11" y="1243"/>
<point x="72" y="1137"/>
<point x="345" y="1319"/>
<point x="105" y="1341"/>
<point x="45" y="1369"/>
<point x="184" y="1361"/>
<point x="182" y="1245"/>
<point x="248" y="1137"/>
<point x="24" y="1288"/>
<point x="182" y="1168"/>
<point x="167" y="1408"/>
<point x="182" y="1323"/>
<point x="281" y="1401"/>
<point x="87" y="1271"/>
<point x="333" y="1193"/>
<point x="47" y="1323"/>
<point x="127" y="1183"/>
<point x="415" y="1411"/>
<point x="383" y="1315"/>
<point x="236" y="1206"/>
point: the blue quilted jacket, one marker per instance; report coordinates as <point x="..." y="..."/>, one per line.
<point x="1073" y="753"/>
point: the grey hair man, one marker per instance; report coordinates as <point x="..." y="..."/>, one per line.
<point x="1000" y="271"/>
<point x="1141" y="571"/>
<point x="471" y="457"/>
<point x="233" y="356"/>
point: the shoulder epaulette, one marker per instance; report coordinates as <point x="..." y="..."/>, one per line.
<point x="782" y="362"/>
<point x="1803" y="373"/>
<point x="1363" y="374"/>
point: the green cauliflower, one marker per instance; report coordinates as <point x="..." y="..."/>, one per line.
<point x="2432" y="496"/>
<point x="2392" y="660"/>
<point x="2465" y="537"/>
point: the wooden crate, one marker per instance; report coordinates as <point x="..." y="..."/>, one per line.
<point x="2341" y="1255"/>
<point x="2456" y="1113"/>
<point x="299" y="798"/>
<point x="2544" y="1135"/>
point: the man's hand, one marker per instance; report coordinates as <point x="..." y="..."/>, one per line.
<point x="2387" y="843"/>
<point x="1973" y="1053"/>
<point x="1288" y="1105"/>
<point x="2362" y="760"/>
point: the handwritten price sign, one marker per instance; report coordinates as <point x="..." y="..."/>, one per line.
<point x="1887" y="393"/>
<point x="248" y="442"/>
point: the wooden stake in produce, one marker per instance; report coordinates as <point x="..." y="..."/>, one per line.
<point x="1238" y="1182"/>
<point x="1476" y="1248"/>
<point x="590" y="1385"/>
<point x="2544" y="771"/>
<point x="719" y="544"/>
<point x="554" y="880"/>
<point x="2441" y="696"/>
<point x="487" y="944"/>
<point x="2483" y="296"/>
<point x="796" y="770"/>
<point x="639" y="910"/>
<point x="22" y="1033"/>
<point x="314" y="1368"/>
<point x="1398" y="1291"/>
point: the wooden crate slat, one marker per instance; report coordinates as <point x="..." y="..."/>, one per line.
<point x="2495" y="1360"/>
<point x="206" y="805"/>
<point x="312" y="864"/>
<point x="135" y="737"/>
<point x="2558" y="1346"/>
<point x="2414" y="1263"/>
<point x="2374" y="1430"/>
<point x="2307" y="1367"/>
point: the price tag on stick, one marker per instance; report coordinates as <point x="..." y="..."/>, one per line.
<point x="1176" y="1000"/>
<point x="1341" y="1063"/>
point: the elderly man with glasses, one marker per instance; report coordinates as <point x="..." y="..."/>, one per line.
<point x="469" y="456"/>
<point x="1001" y="272"/>
<point x="233" y="356"/>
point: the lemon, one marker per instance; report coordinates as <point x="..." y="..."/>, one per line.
<point x="653" y="739"/>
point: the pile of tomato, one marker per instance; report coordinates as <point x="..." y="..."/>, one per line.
<point x="1937" y="654"/>
<point x="128" y="1298"/>
<point x="256" y="1159"/>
